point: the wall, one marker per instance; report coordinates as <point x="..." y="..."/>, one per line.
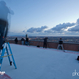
<point x="67" y="46"/>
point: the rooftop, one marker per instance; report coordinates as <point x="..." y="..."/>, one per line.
<point x="39" y="63"/>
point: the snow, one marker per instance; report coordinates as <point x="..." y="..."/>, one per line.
<point x="39" y="63"/>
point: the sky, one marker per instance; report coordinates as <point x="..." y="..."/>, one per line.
<point x="44" y="17"/>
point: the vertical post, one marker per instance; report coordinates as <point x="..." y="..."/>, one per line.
<point x="8" y="56"/>
<point x="1" y="57"/>
<point x="12" y="56"/>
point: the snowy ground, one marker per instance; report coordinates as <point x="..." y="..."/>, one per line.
<point x="39" y="63"/>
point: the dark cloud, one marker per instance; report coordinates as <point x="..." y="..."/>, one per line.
<point x="77" y="23"/>
<point x="48" y="31"/>
<point x="59" y="28"/>
<point x="76" y="28"/>
<point x="32" y="30"/>
<point x="53" y="32"/>
<point x="62" y="26"/>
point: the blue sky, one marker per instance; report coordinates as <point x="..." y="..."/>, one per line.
<point x="44" y="17"/>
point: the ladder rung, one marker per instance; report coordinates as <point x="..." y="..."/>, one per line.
<point x="7" y="55"/>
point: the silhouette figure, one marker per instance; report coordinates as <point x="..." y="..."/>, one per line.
<point x="45" y="42"/>
<point x="4" y="11"/>
<point x="22" y="40"/>
<point x="16" y="40"/>
<point x="60" y="45"/>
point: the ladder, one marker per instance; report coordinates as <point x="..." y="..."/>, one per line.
<point x="7" y="50"/>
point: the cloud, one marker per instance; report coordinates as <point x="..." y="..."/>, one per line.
<point x="77" y="23"/>
<point x="75" y="28"/>
<point x="60" y="27"/>
<point x="49" y="31"/>
<point x="32" y="30"/>
<point x="59" y="30"/>
<point x="23" y="31"/>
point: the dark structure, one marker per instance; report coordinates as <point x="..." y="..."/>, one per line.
<point x="22" y="40"/>
<point x="60" y="45"/>
<point x="45" y="42"/>
<point x="4" y="10"/>
<point x="78" y="58"/>
<point x="27" y="40"/>
<point x="16" y="40"/>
